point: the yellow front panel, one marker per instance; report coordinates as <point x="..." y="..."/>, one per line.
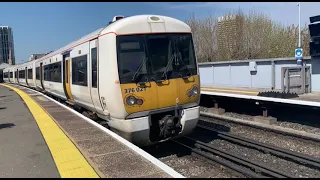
<point x="147" y="94"/>
<point x="168" y="92"/>
<point x="186" y="85"/>
<point x="160" y="95"/>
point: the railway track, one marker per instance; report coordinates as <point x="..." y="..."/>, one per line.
<point x="248" y="168"/>
<point x="205" y="116"/>
<point x="303" y="159"/>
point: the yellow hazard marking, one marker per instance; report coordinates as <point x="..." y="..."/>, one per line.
<point x="68" y="159"/>
<point x="230" y="90"/>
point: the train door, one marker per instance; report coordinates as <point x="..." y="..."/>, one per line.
<point x="66" y="78"/>
<point x="26" y="75"/>
<point x="94" y="76"/>
<point x="8" y="76"/>
<point x="41" y="75"/>
<point x="17" y="76"/>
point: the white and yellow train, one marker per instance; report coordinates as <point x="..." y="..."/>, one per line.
<point x="138" y="73"/>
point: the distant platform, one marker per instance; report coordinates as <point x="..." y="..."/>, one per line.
<point x="308" y="99"/>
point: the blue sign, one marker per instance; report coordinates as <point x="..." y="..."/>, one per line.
<point x="298" y="53"/>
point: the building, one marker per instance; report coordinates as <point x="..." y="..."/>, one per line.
<point x="229" y="28"/>
<point x="37" y="56"/>
<point x="6" y="45"/>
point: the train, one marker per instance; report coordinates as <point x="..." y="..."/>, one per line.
<point x="138" y="74"/>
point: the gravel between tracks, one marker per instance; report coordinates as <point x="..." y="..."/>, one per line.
<point x="294" y="144"/>
<point x="191" y="166"/>
<point x="292" y="125"/>
<point x="188" y="164"/>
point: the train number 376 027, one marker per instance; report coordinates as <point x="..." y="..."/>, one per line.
<point x="132" y="90"/>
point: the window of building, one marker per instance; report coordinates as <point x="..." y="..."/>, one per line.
<point x="94" y="66"/>
<point x="11" y="75"/>
<point x="79" y="70"/>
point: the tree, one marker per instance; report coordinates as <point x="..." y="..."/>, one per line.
<point x="244" y="36"/>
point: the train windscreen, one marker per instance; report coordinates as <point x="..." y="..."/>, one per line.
<point x="155" y="57"/>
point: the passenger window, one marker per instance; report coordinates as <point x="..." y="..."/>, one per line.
<point x="38" y="73"/>
<point x="46" y="72"/>
<point x="29" y="73"/>
<point x="52" y="72"/>
<point x="94" y="67"/>
<point x="79" y="70"/>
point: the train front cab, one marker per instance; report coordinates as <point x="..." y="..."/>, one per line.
<point x="160" y="85"/>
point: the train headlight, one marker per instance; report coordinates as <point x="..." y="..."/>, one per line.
<point x="193" y="92"/>
<point x="131" y="100"/>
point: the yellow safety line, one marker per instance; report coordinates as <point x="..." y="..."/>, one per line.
<point x="230" y="90"/>
<point x="68" y="159"/>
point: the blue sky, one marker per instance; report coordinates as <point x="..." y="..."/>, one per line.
<point x="41" y="27"/>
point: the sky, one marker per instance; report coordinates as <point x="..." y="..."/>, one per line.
<point x="40" y="27"/>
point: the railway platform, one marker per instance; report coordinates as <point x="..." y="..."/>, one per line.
<point x="40" y="137"/>
<point x="308" y="99"/>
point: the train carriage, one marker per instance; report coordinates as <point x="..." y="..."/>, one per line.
<point x="138" y="73"/>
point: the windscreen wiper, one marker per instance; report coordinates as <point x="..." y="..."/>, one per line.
<point x="137" y="73"/>
<point x="186" y="68"/>
<point x="173" y="56"/>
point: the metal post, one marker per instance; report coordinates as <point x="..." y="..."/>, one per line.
<point x="216" y="106"/>
<point x="299" y="58"/>
<point x="299" y="45"/>
<point x="273" y="81"/>
<point x="264" y="111"/>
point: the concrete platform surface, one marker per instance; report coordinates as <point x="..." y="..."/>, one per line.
<point x="23" y="150"/>
<point x="311" y="97"/>
<point x="105" y="154"/>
